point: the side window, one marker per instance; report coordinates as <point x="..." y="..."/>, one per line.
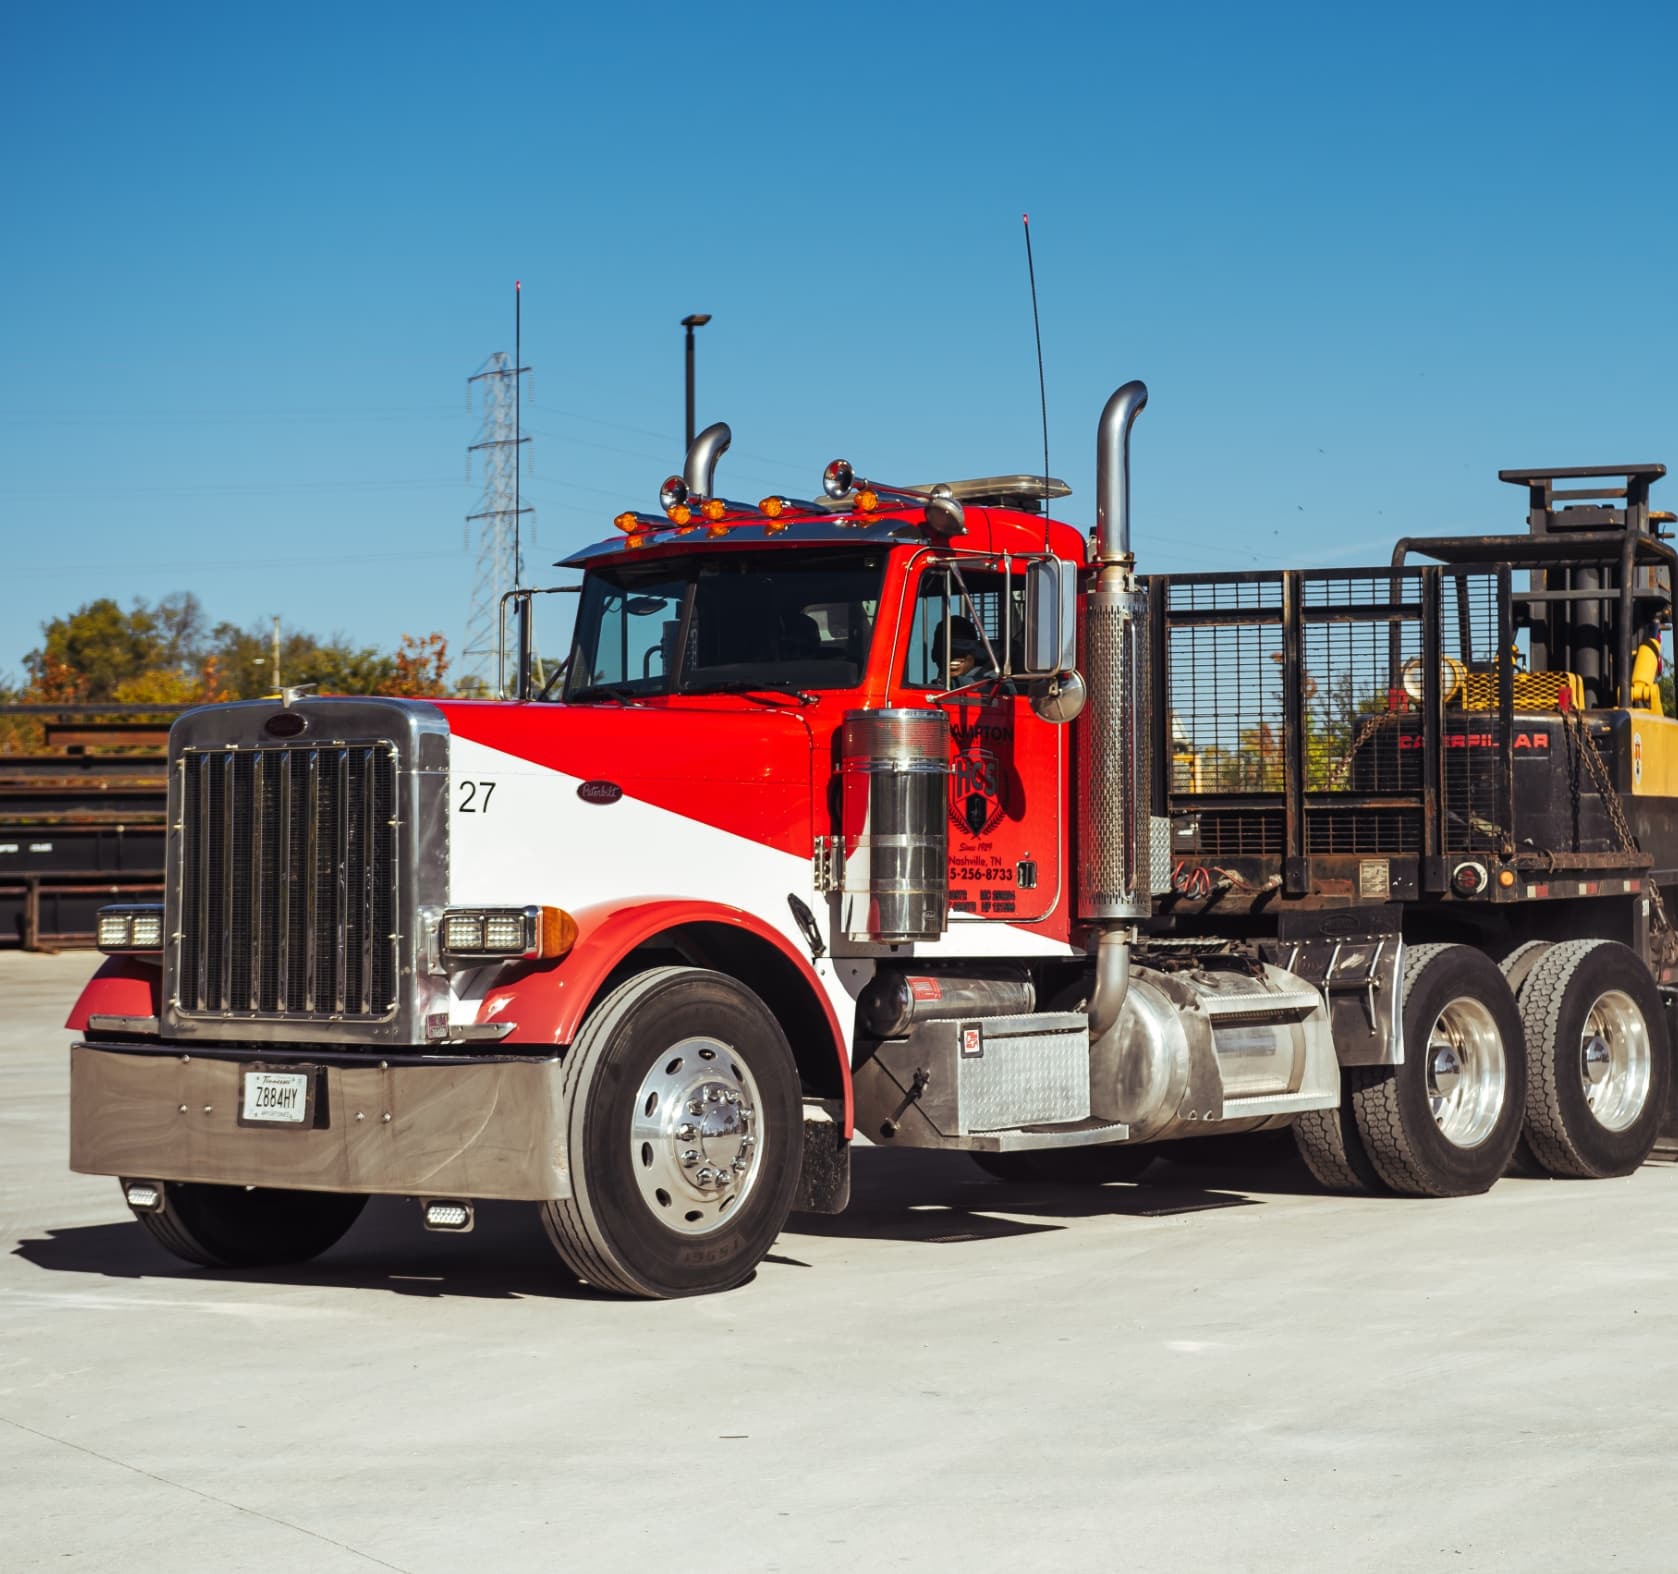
<point x="968" y="616"/>
<point x="637" y="635"/>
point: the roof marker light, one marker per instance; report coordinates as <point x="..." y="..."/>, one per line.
<point x="772" y="507"/>
<point x="627" y="522"/>
<point x="944" y="513"/>
<point x="680" y="514"/>
<point x="867" y="500"/>
<point x="714" y="508"/>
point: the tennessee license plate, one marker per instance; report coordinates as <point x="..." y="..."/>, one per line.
<point x="277" y="1098"/>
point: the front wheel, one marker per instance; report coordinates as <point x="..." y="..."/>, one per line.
<point x="685" y="1128"/>
<point x="247" y="1226"/>
<point x="1446" y="1121"/>
<point x="1600" y="1062"/>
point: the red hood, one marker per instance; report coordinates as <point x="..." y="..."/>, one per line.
<point x="740" y="766"/>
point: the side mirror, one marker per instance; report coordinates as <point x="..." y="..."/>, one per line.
<point x="1051" y="617"/>
<point x="1059" y="699"/>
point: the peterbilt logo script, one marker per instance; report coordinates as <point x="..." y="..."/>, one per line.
<point x="599" y="792"/>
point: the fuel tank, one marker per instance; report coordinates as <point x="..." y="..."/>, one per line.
<point x="1203" y="1045"/>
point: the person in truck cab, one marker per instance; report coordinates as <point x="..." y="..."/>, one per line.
<point x="966" y="654"/>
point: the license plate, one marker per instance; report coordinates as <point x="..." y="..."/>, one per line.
<point x="277" y="1098"/>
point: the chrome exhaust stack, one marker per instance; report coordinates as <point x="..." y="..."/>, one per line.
<point x="1113" y="833"/>
<point x="699" y="472"/>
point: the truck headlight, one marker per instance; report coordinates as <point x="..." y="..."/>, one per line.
<point x="135" y="928"/>
<point x="476" y="934"/>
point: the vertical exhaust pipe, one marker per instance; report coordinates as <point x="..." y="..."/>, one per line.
<point x="1113" y="838"/>
<point x="700" y="471"/>
<point x="1112" y="472"/>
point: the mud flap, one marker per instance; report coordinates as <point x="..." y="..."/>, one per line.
<point x="824" y="1182"/>
<point x="1666" y="1144"/>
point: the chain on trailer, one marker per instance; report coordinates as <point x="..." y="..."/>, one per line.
<point x="1579" y="737"/>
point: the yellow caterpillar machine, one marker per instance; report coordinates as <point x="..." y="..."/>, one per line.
<point x="1445" y="788"/>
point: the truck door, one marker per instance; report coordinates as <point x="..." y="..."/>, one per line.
<point x="1007" y="768"/>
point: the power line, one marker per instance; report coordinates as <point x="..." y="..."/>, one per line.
<point x="224" y="565"/>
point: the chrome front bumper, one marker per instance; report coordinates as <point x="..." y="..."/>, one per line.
<point x="433" y="1126"/>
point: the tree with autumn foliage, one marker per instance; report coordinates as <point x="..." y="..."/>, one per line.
<point x="168" y="653"/>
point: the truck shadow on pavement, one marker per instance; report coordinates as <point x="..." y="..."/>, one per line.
<point x="936" y="1198"/>
<point x="506" y="1257"/>
<point x="945" y="1199"/>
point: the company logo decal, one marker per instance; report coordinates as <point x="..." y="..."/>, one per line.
<point x="976" y="804"/>
<point x="1524" y="741"/>
<point x="599" y="792"/>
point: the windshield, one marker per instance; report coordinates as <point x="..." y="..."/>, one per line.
<point x="786" y="620"/>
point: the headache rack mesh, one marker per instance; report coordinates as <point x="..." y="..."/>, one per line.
<point x="1299" y="699"/>
<point x="288" y="881"/>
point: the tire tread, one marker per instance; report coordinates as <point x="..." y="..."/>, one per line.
<point x="1374" y="1094"/>
<point x="1329" y="1143"/>
<point x="1543" y="999"/>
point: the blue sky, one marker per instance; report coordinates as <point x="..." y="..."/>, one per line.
<point x="1364" y="257"/>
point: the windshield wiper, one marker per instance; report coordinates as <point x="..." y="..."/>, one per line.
<point x="753" y="691"/>
<point x="611" y="691"/>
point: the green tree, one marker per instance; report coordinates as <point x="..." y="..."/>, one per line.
<point x="85" y="655"/>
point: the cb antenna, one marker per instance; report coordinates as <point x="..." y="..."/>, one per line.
<point x="1042" y="390"/>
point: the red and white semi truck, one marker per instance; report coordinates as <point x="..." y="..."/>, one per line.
<point x="914" y="813"/>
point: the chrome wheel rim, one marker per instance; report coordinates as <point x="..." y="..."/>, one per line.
<point x="1466" y="1073"/>
<point x="1616" y="1061"/>
<point x="694" y="1139"/>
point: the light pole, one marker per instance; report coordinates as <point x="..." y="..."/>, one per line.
<point x="690" y="322"/>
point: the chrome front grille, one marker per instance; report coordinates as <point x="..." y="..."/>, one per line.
<point x="287" y="893"/>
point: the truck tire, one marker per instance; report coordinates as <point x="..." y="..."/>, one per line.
<point x="1445" y="1123"/>
<point x="1329" y="1142"/>
<point x="1094" y="1165"/>
<point x="1516" y="965"/>
<point x="236" y="1227"/>
<point x="685" y="1127"/>
<point x="1599" y="1062"/>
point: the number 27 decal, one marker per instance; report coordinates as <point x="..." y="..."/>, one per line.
<point x="469" y="797"/>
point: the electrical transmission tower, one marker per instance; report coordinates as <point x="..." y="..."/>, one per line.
<point x="498" y="517"/>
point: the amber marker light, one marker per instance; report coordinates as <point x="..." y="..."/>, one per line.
<point x="1506" y="878"/>
<point x="626" y="522"/>
<point x="559" y="931"/>
<point x="714" y="508"/>
<point x="867" y="501"/>
<point x="772" y="507"/>
<point x="680" y="514"/>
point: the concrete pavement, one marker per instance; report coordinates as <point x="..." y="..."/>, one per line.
<point x="1215" y="1370"/>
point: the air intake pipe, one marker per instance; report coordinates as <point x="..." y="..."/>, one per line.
<point x="1113" y="843"/>
<point x="699" y="473"/>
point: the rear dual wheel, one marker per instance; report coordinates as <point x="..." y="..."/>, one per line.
<point x="1600" y="1060"/>
<point x="1445" y="1122"/>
